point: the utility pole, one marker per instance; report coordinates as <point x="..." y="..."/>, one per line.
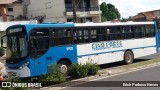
<point x="74" y="11"/>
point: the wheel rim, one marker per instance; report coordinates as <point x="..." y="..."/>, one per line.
<point x="63" y="68"/>
<point x="128" y="58"/>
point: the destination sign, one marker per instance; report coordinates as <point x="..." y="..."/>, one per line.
<point x="107" y="45"/>
<point x="15" y="30"/>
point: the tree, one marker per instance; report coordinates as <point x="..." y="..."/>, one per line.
<point x="109" y="12"/>
<point x="40" y="18"/>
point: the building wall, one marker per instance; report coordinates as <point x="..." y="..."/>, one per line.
<point x="96" y="18"/>
<point x="17" y="10"/>
<point x="3" y="12"/>
<point x="53" y="9"/>
<point x="94" y="3"/>
<point x="157" y="13"/>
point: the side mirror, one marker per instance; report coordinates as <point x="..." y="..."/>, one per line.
<point x="4" y="41"/>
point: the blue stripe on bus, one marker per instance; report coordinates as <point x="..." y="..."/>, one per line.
<point x="115" y="51"/>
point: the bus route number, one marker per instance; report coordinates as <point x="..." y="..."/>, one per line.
<point x="69" y="48"/>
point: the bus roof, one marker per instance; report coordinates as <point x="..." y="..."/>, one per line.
<point x="30" y="26"/>
<point x="89" y="24"/>
<point x="113" y="24"/>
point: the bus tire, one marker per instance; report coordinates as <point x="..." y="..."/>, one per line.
<point x="63" y="66"/>
<point x="128" y="57"/>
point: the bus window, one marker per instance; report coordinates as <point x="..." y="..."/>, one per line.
<point x="77" y="36"/>
<point x="127" y="32"/>
<point x="86" y="35"/>
<point x="113" y="33"/>
<point x="140" y="32"/>
<point x="101" y="34"/>
<point x="153" y="32"/>
<point x="94" y="34"/>
<point x="150" y="31"/>
<point x="81" y="35"/>
<point x="62" y="36"/>
<point x="98" y="34"/>
<point x="39" y="42"/>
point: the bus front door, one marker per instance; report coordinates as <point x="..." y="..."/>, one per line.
<point x="39" y="47"/>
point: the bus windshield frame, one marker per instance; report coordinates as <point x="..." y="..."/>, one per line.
<point x="17" y="43"/>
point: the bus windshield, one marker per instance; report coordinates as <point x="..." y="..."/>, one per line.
<point x="17" y="43"/>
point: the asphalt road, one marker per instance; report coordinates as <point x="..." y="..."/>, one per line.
<point x="150" y="74"/>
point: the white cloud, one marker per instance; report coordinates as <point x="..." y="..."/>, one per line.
<point x="132" y="7"/>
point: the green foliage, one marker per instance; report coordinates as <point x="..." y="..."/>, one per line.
<point x="13" y="80"/>
<point x="54" y="76"/>
<point x="109" y="12"/>
<point x="93" y="69"/>
<point x="103" y="19"/>
<point x="80" y="71"/>
<point x="1" y="51"/>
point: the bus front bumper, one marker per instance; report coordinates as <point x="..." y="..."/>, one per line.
<point x="25" y="72"/>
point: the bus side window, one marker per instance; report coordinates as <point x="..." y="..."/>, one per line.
<point x="139" y="32"/>
<point x="113" y="33"/>
<point x="78" y="36"/>
<point x="94" y="34"/>
<point x="69" y="37"/>
<point x="81" y="35"/>
<point x="86" y="35"/>
<point x="74" y="36"/>
<point x="102" y="34"/>
<point x="98" y="34"/>
<point x="39" y="42"/>
<point x="148" y="30"/>
<point x="127" y="32"/>
<point x="62" y="36"/>
<point x="108" y="34"/>
<point x="33" y="44"/>
<point x="153" y="32"/>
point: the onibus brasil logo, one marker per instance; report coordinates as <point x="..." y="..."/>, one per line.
<point x="15" y="84"/>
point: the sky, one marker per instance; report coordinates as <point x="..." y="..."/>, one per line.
<point x="133" y="7"/>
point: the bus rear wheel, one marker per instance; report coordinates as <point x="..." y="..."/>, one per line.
<point x="128" y="57"/>
<point x="63" y="66"/>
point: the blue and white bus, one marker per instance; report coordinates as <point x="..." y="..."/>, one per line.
<point x="31" y="48"/>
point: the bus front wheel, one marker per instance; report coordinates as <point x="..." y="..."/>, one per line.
<point x="128" y="57"/>
<point x="63" y="66"/>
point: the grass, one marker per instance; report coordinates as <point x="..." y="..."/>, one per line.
<point x="138" y="64"/>
<point x="141" y="63"/>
